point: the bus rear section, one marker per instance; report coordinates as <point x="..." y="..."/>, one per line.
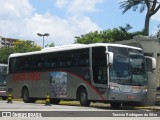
<point x="106" y="73"/>
<point x="3" y="75"/>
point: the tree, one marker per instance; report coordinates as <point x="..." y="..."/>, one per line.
<point x="19" y="47"/>
<point x="152" y="7"/>
<point x="22" y="46"/>
<point x="50" y="45"/>
<point x="5" y="53"/>
<point x="157" y="34"/>
<point x="107" y="36"/>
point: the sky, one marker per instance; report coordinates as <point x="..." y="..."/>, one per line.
<point x="65" y="19"/>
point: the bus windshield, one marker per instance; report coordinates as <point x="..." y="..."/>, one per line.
<point x="128" y="66"/>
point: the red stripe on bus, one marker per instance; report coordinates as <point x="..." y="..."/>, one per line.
<point x="90" y="85"/>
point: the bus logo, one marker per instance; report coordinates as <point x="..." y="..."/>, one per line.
<point x="6" y="114"/>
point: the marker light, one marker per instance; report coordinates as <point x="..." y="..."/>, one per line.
<point x="144" y="90"/>
<point x="114" y="88"/>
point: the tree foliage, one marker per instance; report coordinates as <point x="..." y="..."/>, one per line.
<point x="22" y="46"/>
<point x="50" y="45"/>
<point x="152" y="7"/>
<point x="107" y="36"/>
<point x="4" y="54"/>
<point x="157" y="34"/>
<point x="19" y="47"/>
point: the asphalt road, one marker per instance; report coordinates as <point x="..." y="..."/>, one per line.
<point x="20" y="110"/>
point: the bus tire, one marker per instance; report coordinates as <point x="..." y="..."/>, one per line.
<point x="55" y="101"/>
<point x="32" y="100"/>
<point x="84" y="98"/>
<point x="25" y="96"/>
<point x="4" y="98"/>
<point x="115" y="105"/>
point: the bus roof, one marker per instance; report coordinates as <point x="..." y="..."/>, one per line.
<point x="3" y="64"/>
<point x="70" y="47"/>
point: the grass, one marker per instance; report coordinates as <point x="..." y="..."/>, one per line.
<point x="63" y="102"/>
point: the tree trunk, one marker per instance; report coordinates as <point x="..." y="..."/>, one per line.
<point x="146" y="25"/>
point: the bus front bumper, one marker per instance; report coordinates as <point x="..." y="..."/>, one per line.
<point x="126" y="97"/>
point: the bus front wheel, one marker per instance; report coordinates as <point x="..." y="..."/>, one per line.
<point x="25" y="95"/>
<point x="84" y="98"/>
<point x="115" y="105"/>
<point x="26" y="98"/>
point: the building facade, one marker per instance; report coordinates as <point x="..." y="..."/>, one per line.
<point x="4" y="42"/>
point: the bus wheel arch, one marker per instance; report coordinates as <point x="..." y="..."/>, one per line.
<point x="25" y="95"/>
<point x="82" y="95"/>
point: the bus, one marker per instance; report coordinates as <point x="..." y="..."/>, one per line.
<point x="3" y="75"/>
<point x="102" y="72"/>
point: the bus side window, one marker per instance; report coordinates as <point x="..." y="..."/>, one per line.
<point x="40" y="65"/>
<point x="76" y="60"/>
<point x="51" y="60"/>
<point x="62" y="60"/>
<point x="12" y="64"/>
<point x="26" y="66"/>
<point x="47" y="61"/>
<point x="66" y="60"/>
<point x="40" y="62"/>
<point x="19" y="64"/>
<point x="69" y="59"/>
<point x="53" y="65"/>
<point x="84" y="59"/>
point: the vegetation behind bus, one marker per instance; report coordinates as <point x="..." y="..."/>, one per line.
<point x="19" y="47"/>
<point x="107" y="36"/>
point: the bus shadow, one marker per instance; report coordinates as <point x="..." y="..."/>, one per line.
<point x="110" y="108"/>
<point x="103" y="106"/>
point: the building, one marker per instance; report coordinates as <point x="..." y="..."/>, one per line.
<point x="6" y="42"/>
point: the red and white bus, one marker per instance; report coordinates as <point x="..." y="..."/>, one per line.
<point x="100" y="72"/>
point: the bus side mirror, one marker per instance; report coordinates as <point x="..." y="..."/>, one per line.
<point x="151" y="63"/>
<point x="110" y="57"/>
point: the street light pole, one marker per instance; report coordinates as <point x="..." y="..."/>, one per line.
<point x="43" y="41"/>
<point x="42" y="35"/>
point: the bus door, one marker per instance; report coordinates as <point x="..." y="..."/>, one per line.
<point x="99" y="68"/>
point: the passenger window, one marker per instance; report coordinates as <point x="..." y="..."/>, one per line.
<point x="51" y="60"/>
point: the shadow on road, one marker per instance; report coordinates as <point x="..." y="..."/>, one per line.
<point x="103" y="106"/>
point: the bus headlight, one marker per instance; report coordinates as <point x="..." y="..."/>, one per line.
<point x="114" y="88"/>
<point x="144" y="90"/>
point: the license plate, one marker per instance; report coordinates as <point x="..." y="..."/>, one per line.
<point x="131" y="97"/>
